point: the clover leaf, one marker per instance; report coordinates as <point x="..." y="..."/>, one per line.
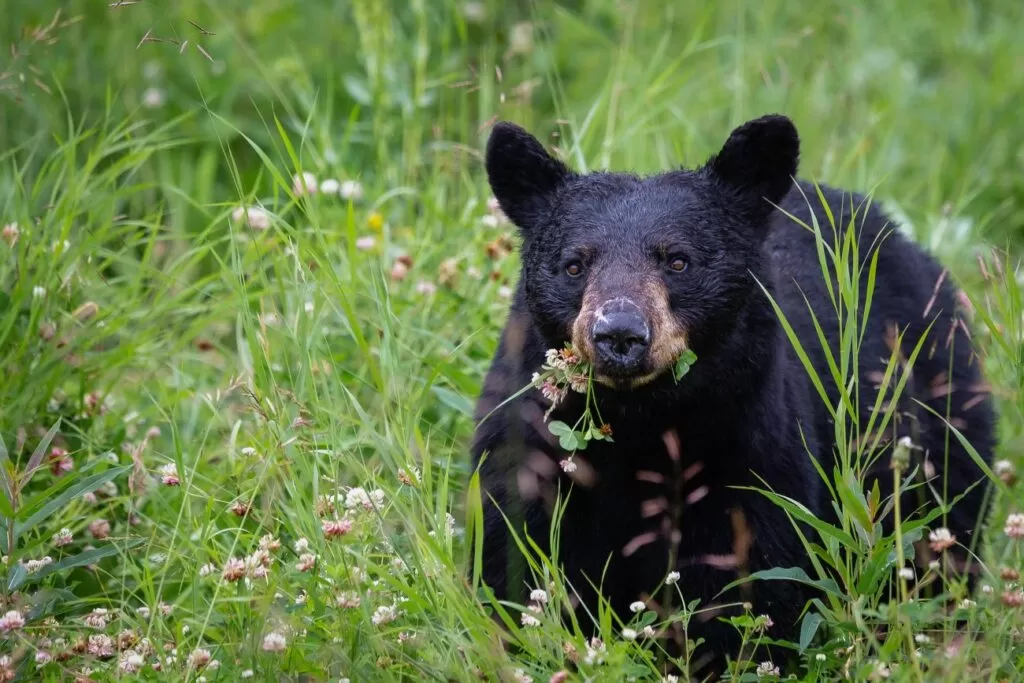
<point x="683" y="363"/>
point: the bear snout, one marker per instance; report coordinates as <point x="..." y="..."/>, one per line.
<point x="620" y="336"/>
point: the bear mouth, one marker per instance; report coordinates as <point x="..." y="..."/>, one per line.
<point x="626" y="382"/>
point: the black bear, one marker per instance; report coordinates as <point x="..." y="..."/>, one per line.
<point x="633" y="272"/>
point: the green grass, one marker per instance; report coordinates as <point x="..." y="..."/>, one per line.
<point x="142" y="327"/>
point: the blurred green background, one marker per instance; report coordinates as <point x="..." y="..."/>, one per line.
<point x="922" y="104"/>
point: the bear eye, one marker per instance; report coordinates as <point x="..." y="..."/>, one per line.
<point x="677" y="264"/>
<point x="574" y="269"/>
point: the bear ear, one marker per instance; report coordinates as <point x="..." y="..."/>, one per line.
<point x="760" y="159"/>
<point x="523" y="176"/>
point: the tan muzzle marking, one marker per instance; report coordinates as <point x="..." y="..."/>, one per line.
<point x="668" y="337"/>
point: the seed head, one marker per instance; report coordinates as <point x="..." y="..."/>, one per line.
<point x="255" y="217"/>
<point x="596" y="651"/>
<point x="199" y="659"/>
<point x="32" y="566"/>
<point x="941" y="539"/>
<point x="408" y="477"/>
<point x="1014" y="527"/>
<point x="100" y="645"/>
<point x="348" y="600"/>
<point x="10" y="234"/>
<point x="384" y="614"/>
<point x="11" y="621"/>
<point x="153" y="98"/>
<point x="1005" y="470"/>
<point x="762" y="623"/>
<point x="351" y="189"/>
<point x="130" y="662"/>
<point x="86" y="311"/>
<point x="398" y="271"/>
<point x="60" y="461"/>
<point x="98" y="618"/>
<point x="304" y="183"/>
<point x="63" y="537"/>
<point x="306" y="562"/>
<point x="99" y="528"/>
<point x="169" y="475"/>
<point x="1013" y="598"/>
<point x="274" y="642"/>
<point x="234" y="569"/>
<point x="334" y="528"/>
<point x="529" y="620"/>
<point x="47" y="330"/>
<point x="269" y="543"/>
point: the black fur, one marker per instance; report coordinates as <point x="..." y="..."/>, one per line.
<point x="747" y="406"/>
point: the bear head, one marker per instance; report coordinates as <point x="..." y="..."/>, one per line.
<point x="633" y="271"/>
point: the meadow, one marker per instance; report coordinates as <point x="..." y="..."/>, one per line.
<point x="251" y="279"/>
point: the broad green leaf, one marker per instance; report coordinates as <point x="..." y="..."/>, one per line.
<point x="16" y="576"/>
<point x="802" y="514"/>
<point x="44" y="445"/>
<point x="17" y="579"/>
<point x="87" y="485"/>
<point x="45" y="601"/>
<point x="790" y="574"/>
<point x="558" y="428"/>
<point x="808" y="628"/>
<point x="7" y="494"/>
<point x="854" y="503"/>
<point x="570" y="442"/>
<point x="685" y="360"/>
<point x="32" y="505"/>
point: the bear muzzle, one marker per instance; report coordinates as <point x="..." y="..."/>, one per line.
<point x="620" y="338"/>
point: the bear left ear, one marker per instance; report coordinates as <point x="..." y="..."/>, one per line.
<point x="760" y="158"/>
<point x="522" y="175"/>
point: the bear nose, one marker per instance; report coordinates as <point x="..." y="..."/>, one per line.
<point x="621" y="335"/>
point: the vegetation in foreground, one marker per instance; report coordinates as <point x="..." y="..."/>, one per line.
<point x="251" y="281"/>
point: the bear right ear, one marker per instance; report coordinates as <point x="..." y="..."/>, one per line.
<point x="759" y="159"/>
<point x="523" y="176"/>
